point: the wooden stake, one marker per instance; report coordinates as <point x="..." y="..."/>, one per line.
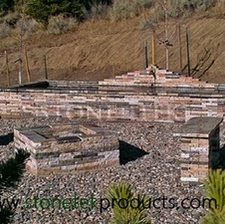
<point x="46" y="67"/>
<point x="166" y="34"/>
<point x="7" y="67"/>
<point x="146" y="54"/>
<point x="188" y="52"/>
<point x="153" y="48"/>
<point x="180" y="48"/>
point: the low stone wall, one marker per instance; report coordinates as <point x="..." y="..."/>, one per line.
<point x="135" y="96"/>
<point x="67" y="148"/>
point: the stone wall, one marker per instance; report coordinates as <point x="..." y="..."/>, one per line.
<point x="136" y="96"/>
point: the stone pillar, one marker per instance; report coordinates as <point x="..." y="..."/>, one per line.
<point x="199" y="147"/>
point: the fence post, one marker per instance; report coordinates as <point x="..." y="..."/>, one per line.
<point x="146" y="54"/>
<point x="46" y="68"/>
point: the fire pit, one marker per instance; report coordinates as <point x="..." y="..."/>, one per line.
<point x="67" y="148"/>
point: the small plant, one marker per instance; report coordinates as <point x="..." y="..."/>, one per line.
<point x="60" y="24"/>
<point x="11" y="172"/>
<point x="124" y="9"/>
<point x="96" y="10"/>
<point x="147" y="22"/>
<point x="5" y="30"/>
<point x="28" y="26"/>
<point x="11" y="19"/>
<point x="125" y="211"/>
<point x="215" y="189"/>
<point x="180" y="8"/>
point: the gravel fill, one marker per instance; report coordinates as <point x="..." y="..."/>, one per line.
<point x="156" y="174"/>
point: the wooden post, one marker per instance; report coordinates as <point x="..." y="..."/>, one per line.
<point x="146" y="54"/>
<point x="153" y="48"/>
<point x="180" y="48"/>
<point x="188" y="52"/>
<point x="27" y="65"/>
<point x="7" y="67"/>
<point x="166" y="34"/>
<point x="46" y="68"/>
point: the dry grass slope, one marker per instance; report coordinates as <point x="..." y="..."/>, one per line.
<point x="100" y="49"/>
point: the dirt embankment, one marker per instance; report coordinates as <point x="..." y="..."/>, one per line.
<point x="102" y="49"/>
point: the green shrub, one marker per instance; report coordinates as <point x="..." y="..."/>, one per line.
<point x="42" y="10"/>
<point x="38" y="9"/>
<point x="123" y="214"/>
<point x="11" y="173"/>
<point x="215" y="189"/>
<point x="5" y="6"/>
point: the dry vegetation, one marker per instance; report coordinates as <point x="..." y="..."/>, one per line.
<point x="104" y="46"/>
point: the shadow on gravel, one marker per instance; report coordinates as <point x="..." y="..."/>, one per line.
<point x="6" y="139"/>
<point x="11" y="172"/>
<point x="129" y="152"/>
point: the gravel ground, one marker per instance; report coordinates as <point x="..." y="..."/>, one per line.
<point x="156" y="174"/>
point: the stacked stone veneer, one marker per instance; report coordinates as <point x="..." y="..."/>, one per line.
<point x="136" y="96"/>
<point x="67" y="148"/>
<point x="200" y="147"/>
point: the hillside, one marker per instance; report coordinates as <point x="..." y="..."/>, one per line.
<point x="100" y="49"/>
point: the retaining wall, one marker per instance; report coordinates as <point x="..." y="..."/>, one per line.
<point x="136" y="96"/>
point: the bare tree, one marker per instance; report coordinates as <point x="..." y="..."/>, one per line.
<point x="22" y="6"/>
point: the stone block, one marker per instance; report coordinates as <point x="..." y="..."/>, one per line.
<point x="67" y="147"/>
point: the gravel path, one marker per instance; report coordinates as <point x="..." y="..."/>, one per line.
<point x="156" y="174"/>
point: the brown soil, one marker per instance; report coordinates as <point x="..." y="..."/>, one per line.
<point x="102" y="49"/>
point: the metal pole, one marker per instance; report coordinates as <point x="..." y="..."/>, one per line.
<point x="188" y="52"/>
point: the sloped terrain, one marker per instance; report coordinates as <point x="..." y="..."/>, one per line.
<point x="101" y="49"/>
